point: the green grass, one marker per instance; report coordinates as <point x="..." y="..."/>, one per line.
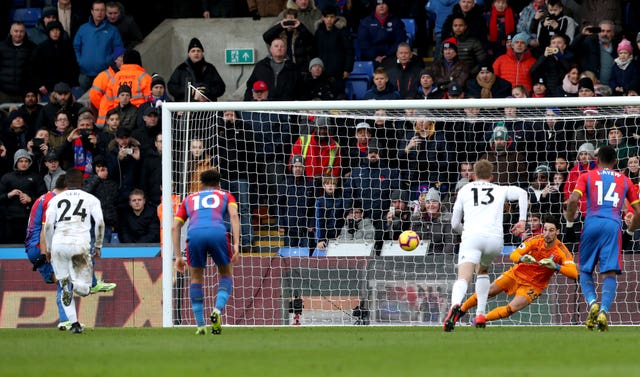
<point x="322" y="351"/>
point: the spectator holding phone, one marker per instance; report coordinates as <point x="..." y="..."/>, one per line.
<point x="297" y="37"/>
<point x="596" y="47"/>
<point x="80" y="146"/>
<point x="123" y="163"/>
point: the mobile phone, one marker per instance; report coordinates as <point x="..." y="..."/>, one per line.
<point x="85" y="132"/>
<point x="594" y="29"/>
<point x="37" y="141"/>
<point x="289" y="23"/>
<point x="128" y="150"/>
<point x="392" y="209"/>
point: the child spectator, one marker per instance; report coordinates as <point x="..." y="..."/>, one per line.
<point x="329" y="213"/>
<point x="382" y="88"/>
<point x="624" y="73"/>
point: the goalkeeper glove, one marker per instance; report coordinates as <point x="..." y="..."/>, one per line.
<point x="528" y="259"/>
<point x="549" y="263"/>
<point x="41" y="261"/>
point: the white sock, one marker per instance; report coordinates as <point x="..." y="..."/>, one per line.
<point x="458" y="291"/>
<point x="70" y="311"/>
<point x="482" y="290"/>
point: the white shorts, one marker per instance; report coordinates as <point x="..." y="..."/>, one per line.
<point x="73" y="261"/>
<point x="478" y="249"/>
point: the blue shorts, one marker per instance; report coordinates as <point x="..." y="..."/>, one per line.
<point x="601" y="243"/>
<point x="46" y="270"/>
<point x="214" y="242"/>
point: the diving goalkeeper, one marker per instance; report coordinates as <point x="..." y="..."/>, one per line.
<point x="537" y="259"/>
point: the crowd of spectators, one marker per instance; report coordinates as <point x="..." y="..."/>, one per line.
<point x="323" y="177"/>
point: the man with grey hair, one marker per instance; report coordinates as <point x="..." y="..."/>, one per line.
<point x="597" y="48"/>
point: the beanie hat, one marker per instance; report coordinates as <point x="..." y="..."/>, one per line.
<point x="54" y="25"/>
<point x="587" y="147"/>
<point x="156" y="79"/>
<point x="625" y="45"/>
<point x="499" y="132"/>
<point x="132" y="57"/>
<point x="433" y="194"/>
<point x="117" y="52"/>
<point x="587" y="83"/>
<point x="124" y="89"/>
<point x="49" y="11"/>
<point x="450" y="43"/>
<point x="316" y="61"/>
<point x="542" y="169"/>
<point x="21" y="153"/>
<point x="195" y="42"/>
<point x="520" y="37"/>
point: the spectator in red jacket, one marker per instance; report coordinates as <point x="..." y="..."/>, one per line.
<point x="514" y="66"/>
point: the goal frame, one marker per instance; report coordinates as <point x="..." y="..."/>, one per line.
<point x="169" y="107"/>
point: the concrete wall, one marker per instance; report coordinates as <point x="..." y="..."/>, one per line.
<point x="166" y="47"/>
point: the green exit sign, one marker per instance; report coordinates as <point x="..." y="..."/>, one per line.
<point x="239" y="56"/>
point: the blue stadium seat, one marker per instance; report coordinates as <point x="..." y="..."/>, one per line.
<point x="362" y="68"/>
<point x="410" y="28"/>
<point x="355" y="88"/>
<point x="28" y="16"/>
<point x="293" y="252"/>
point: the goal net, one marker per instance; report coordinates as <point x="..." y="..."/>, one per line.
<point x="325" y="188"/>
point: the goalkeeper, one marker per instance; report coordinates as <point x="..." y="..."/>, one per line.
<point x="537" y="259"/>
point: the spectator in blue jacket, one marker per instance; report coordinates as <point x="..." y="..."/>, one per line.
<point x="380" y="33"/>
<point x="94" y="44"/>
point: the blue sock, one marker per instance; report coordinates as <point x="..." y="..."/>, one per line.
<point x="224" y="290"/>
<point x="61" y="313"/>
<point x="609" y="285"/>
<point x="588" y="288"/>
<point x="94" y="280"/>
<point x="197" y="303"/>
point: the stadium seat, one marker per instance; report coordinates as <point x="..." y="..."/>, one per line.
<point x="359" y="80"/>
<point x="410" y="28"/>
<point x="355" y="88"/>
<point x="28" y="16"/>
<point x="293" y="252"/>
<point x="362" y="68"/>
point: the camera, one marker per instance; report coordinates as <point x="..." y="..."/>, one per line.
<point x="37" y="142"/>
<point x="594" y="29"/>
<point x="85" y="133"/>
<point x="288" y="23"/>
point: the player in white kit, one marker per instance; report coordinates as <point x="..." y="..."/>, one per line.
<point x="481" y="205"/>
<point x="67" y="227"/>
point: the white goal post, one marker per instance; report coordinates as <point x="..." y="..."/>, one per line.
<point x="401" y="290"/>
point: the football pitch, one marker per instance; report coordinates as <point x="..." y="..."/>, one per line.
<point x="322" y="351"/>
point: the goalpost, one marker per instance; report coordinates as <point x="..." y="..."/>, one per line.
<point x="409" y="289"/>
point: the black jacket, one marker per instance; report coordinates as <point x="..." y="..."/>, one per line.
<point x="281" y="87"/>
<point x="107" y="191"/>
<point x="335" y="48"/>
<point x="28" y="182"/>
<point x="15" y="65"/>
<point x="203" y="74"/>
<point x="139" y="229"/>
<point x="54" y="62"/>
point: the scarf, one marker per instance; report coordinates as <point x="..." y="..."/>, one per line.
<point x="622" y="65"/>
<point x="568" y="86"/>
<point x="509" y="23"/>
<point x="486" y="87"/>
<point x="82" y="158"/>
